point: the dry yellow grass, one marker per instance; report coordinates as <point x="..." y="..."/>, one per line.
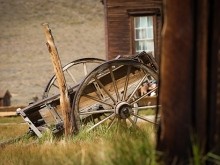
<point x="97" y="147"/>
<point x="11" y="131"/>
<point x="12" y="127"/>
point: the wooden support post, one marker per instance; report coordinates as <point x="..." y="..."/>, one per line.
<point x="190" y="80"/>
<point x="64" y="98"/>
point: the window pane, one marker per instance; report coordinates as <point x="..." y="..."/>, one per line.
<point x="137" y="22"/>
<point x="150" y="21"/>
<point x="143" y="21"/>
<point x="138" y="46"/>
<point x="144" y="33"/>
<point x="149" y="33"/>
<point x="150" y="45"/>
<point x="138" y="34"/>
<point x="141" y="45"/>
<point x="145" y="45"/>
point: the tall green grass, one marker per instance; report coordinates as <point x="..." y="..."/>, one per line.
<point x="198" y="158"/>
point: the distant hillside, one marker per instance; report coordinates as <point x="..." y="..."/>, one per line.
<point x="25" y="65"/>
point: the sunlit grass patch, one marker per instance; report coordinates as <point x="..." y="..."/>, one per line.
<point x="99" y="146"/>
<point x="9" y="131"/>
<point x="147" y="111"/>
<point x="16" y="119"/>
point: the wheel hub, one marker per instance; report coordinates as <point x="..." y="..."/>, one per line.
<point x="123" y="110"/>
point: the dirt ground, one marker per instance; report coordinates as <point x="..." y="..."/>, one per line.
<point x="25" y="65"/>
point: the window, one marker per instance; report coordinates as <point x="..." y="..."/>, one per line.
<point x="144" y="34"/>
<point x="145" y="26"/>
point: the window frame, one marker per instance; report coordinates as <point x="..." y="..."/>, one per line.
<point x="156" y="13"/>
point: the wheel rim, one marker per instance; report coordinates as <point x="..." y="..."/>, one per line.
<point x="74" y="72"/>
<point x="111" y="94"/>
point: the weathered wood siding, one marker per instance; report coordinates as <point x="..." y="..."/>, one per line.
<point x="118" y="25"/>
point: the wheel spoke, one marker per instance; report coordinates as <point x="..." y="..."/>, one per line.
<point x="123" y="122"/>
<point x="118" y="123"/>
<point x="71" y="75"/>
<point x="97" y="80"/>
<point x="99" y="91"/>
<point x="136" y="88"/>
<point x="145" y="119"/>
<point x="85" y="69"/>
<point x="146" y="94"/>
<point x="102" y="121"/>
<point x="126" y="83"/>
<point x="96" y="99"/>
<point x="111" y="123"/>
<point x="55" y="85"/>
<point x="96" y="112"/>
<point x="146" y="107"/>
<point x="135" y="111"/>
<point x="114" y="83"/>
<point x="133" y="123"/>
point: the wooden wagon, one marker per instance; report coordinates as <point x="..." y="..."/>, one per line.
<point x="123" y="90"/>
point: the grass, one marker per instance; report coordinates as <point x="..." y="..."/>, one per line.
<point x="198" y="158"/>
<point x="101" y="146"/>
<point x="11" y="127"/>
<point x="149" y="111"/>
<point x="117" y="146"/>
<point x="16" y="119"/>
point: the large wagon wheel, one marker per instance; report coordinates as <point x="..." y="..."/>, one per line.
<point x="74" y="72"/>
<point x="111" y="94"/>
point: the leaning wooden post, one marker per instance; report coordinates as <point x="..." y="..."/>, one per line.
<point x="64" y="98"/>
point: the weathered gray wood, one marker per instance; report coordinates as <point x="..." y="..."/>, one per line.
<point x="64" y="98"/>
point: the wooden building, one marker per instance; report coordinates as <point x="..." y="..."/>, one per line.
<point x="132" y="26"/>
<point x="189" y="67"/>
<point x="5" y="98"/>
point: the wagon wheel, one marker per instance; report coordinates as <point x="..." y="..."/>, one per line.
<point x="110" y="94"/>
<point x="74" y="72"/>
